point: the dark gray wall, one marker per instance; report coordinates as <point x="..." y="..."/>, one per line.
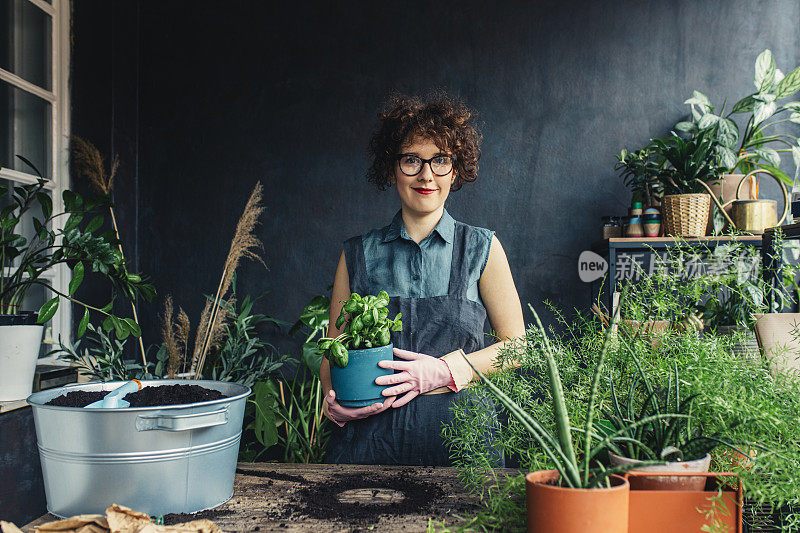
<point x="201" y="99"/>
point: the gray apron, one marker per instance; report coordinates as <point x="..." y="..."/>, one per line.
<point x="411" y="434"/>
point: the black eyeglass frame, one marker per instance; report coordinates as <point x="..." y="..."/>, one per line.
<point x="398" y="157"/>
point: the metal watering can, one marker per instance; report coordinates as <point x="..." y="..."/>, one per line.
<point x="753" y="216"/>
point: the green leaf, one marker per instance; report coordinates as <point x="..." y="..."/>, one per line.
<point x="311" y="357"/>
<point x="77" y="278"/>
<point x="795" y="117"/>
<point x="120" y="327"/>
<point x="48" y="310"/>
<point x="765" y="71"/>
<point x="727" y="157"/>
<point x="789" y="85"/>
<point x="94" y="224"/>
<point x="36" y="170"/>
<point x="108" y="323"/>
<point x="745" y="105"/>
<point x="46" y="203"/>
<point x="72" y="200"/>
<point x="133" y="327"/>
<point x="688" y="127"/>
<point x="708" y="120"/>
<point x="762" y="111"/>
<point x="72" y="222"/>
<point x="699" y="99"/>
<point x="769" y="155"/>
<point x="728" y="133"/>
<point x="83" y="323"/>
<point x="778" y="173"/>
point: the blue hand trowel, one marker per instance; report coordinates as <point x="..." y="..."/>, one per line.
<point x="113" y="399"/>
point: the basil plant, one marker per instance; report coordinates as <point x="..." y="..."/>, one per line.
<point x="759" y="145"/>
<point x="81" y="246"/>
<point x="366" y="325"/>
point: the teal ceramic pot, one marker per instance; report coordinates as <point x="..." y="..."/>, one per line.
<point x="355" y="384"/>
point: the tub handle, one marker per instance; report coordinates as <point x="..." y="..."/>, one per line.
<point x="165" y="422"/>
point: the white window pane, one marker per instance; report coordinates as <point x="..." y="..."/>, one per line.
<point x="25" y="42"/>
<point x="25" y="129"/>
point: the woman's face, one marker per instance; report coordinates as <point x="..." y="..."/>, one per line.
<point x="425" y="192"/>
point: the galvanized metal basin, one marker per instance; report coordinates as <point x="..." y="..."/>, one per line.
<point x="157" y="460"/>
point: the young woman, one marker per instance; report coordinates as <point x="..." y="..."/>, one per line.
<point x="446" y="277"/>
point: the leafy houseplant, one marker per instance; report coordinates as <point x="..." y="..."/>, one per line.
<point x="25" y="259"/>
<point x="640" y="172"/>
<point x="690" y="164"/>
<point x="760" y="145"/>
<point x="355" y="353"/>
<point x="601" y="510"/>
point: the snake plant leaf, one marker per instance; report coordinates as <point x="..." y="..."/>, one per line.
<point x="48" y="310"/>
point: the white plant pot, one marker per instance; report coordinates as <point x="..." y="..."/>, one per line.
<point x="666" y="482"/>
<point x="19" y="350"/>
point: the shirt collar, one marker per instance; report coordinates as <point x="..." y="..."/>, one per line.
<point x="445" y="228"/>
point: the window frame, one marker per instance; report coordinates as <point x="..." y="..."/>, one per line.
<point x="58" y="171"/>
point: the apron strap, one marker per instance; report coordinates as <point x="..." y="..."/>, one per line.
<point x="356" y="265"/>
<point x="459" y="277"/>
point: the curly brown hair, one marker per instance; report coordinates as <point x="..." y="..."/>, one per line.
<point x="444" y="119"/>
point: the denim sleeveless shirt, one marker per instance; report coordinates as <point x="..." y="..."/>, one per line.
<point x="435" y="322"/>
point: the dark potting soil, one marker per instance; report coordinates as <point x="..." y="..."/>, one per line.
<point x="172" y="395"/>
<point x="179" y="518"/>
<point x="77" y="398"/>
<point x="147" y="397"/>
<point x="321" y="500"/>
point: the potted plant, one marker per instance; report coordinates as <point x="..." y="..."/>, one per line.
<point x="639" y="171"/>
<point x="760" y="146"/>
<point x="354" y="354"/>
<point x="690" y="163"/>
<point x="679" y="441"/>
<point x="25" y="258"/>
<point x="580" y="494"/>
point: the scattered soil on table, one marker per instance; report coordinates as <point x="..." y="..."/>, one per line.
<point x="321" y="500"/>
<point x="147" y="397"/>
<point x="179" y="518"/>
<point x="77" y="398"/>
<point x="272" y="475"/>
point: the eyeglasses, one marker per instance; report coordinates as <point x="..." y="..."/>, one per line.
<point x="411" y="165"/>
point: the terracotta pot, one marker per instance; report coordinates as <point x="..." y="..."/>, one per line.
<point x="555" y="509"/>
<point x="666" y="482"/>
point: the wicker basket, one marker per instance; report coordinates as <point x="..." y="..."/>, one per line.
<point x="686" y="215"/>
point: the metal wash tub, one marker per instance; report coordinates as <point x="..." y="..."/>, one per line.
<point x="158" y="460"/>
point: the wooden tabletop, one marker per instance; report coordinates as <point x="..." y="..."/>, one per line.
<point x="298" y="497"/>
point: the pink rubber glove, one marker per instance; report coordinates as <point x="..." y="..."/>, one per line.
<point x="340" y="415"/>
<point x="419" y="374"/>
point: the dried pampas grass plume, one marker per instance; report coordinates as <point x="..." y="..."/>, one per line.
<point x="87" y="160"/>
<point x="244" y="245"/>
<point x="168" y="336"/>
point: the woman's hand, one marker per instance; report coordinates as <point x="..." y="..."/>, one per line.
<point x="419" y="374"/>
<point x="341" y="415"/>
